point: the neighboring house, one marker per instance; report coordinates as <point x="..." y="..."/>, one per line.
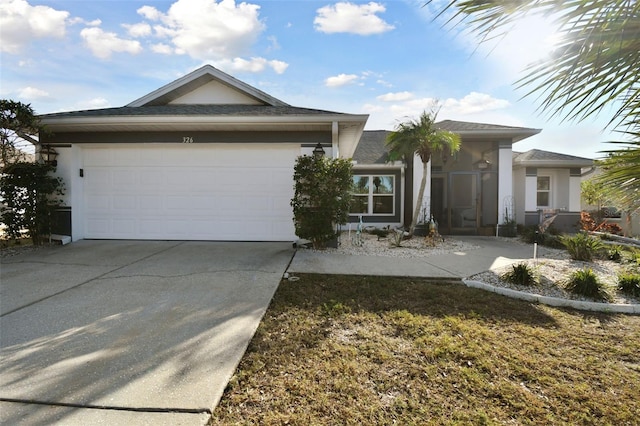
<point x="468" y="193"/>
<point x="548" y="183"/>
<point x="206" y="157"/>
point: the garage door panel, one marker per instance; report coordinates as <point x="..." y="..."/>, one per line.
<point x="123" y="226"/>
<point x="192" y="192"/>
<point x="150" y="202"/>
<point x="125" y="202"/>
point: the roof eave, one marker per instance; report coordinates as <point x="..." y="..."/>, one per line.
<point x="514" y="135"/>
<point x="141" y="123"/>
<point x="552" y="164"/>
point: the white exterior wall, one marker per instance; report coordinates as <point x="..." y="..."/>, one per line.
<point x="505" y="178"/>
<point x="215" y="92"/>
<point x="574" y="193"/>
<point x="531" y="184"/>
<point x="68" y="169"/>
<point x="519" y="193"/>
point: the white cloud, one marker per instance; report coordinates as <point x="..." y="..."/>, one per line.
<point x="395" y="97"/>
<point x="474" y="103"/>
<point x="21" y="23"/>
<point x="371" y="108"/>
<point x="252" y="65"/>
<point x="278" y="66"/>
<point x="274" y="45"/>
<point x="141" y="29"/>
<point x="103" y="44"/>
<point x="387" y="112"/>
<point x="32" y="93"/>
<point x="513" y="48"/>
<point x="206" y="29"/>
<point x="341" y="80"/>
<point x="345" y="17"/>
<point x="94" y="103"/>
<point x="150" y="13"/>
<point x="94" y="23"/>
<point x="163" y="49"/>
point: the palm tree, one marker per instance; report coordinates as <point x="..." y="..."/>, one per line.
<point x="422" y="138"/>
<point x="595" y="65"/>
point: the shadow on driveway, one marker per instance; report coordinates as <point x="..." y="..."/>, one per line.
<point x="146" y="326"/>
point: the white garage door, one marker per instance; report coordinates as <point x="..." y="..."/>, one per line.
<point x="189" y="192"/>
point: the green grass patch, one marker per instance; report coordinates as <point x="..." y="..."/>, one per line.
<point x="376" y="350"/>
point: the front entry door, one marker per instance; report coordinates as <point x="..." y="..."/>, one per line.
<point x="464" y="202"/>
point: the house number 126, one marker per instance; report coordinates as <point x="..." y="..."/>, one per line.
<point x="187" y="139"/>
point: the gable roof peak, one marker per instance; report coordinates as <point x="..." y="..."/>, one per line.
<point x="198" y="78"/>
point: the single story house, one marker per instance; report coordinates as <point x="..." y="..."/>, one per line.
<point x="206" y="157"/>
<point x="483" y="185"/>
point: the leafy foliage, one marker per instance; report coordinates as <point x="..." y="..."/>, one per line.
<point x="595" y="65"/>
<point x="31" y="195"/>
<point x="397" y="237"/>
<point x="17" y="122"/>
<point x="589" y="224"/>
<point x="548" y="238"/>
<point x="630" y="284"/>
<point x="521" y="274"/>
<point x="615" y="253"/>
<point x="586" y="283"/>
<point x="581" y="246"/>
<point x="420" y="137"/>
<point x="322" y="197"/>
<point x="620" y="176"/>
<point x="596" y="60"/>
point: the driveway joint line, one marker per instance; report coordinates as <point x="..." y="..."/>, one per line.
<point x="90" y="280"/>
<point x="111" y="407"/>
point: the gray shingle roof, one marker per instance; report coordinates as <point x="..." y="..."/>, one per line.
<point x="464" y="126"/>
<point x="193" y="109"/>
<point x="539" y="156"/>
<point x="371" y="148"/>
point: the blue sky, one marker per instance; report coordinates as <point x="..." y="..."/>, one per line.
<point x="389" y="59"/>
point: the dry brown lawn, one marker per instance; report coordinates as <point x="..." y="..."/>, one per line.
<point x="338" y="350"/>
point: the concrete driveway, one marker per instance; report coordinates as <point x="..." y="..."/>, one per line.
<point x="129" y="332"/>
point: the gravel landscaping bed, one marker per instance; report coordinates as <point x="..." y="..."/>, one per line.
<point x="553" y="265"/>
<point x="415" y="247"/>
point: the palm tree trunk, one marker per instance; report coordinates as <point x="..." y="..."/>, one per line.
<point x="416" y="210"/>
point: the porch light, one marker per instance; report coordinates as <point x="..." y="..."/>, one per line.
<point x="483" y="164"/>
<point x="49" y="155"/>
<point x="318" y="151"/>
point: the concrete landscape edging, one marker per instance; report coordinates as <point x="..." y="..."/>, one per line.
<point x="610" y="308"/>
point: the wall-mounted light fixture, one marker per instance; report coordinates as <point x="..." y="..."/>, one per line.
<point x="49" y="155"/>
<point x="318" y="151"/>
<point x="483" y="164"/>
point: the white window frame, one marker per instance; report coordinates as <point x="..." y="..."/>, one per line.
<point x="372" y="194"/>
<point x="548" y="191"/>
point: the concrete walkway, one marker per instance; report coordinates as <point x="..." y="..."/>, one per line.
<point x="491" y="253"/>
<point x="129" y="332"/>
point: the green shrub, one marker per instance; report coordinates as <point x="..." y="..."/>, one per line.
<point x="631" y="255"/>
<point x="550" y="238"/>
<point x="615" y="253"/>
<point x="581" y="246"/>
<point x="521" y="274"/>
<point x="322" y="197"/>
<point x="396" y="238"/>
<point x="629" y="284"/>
<point x="585" y="283"/>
